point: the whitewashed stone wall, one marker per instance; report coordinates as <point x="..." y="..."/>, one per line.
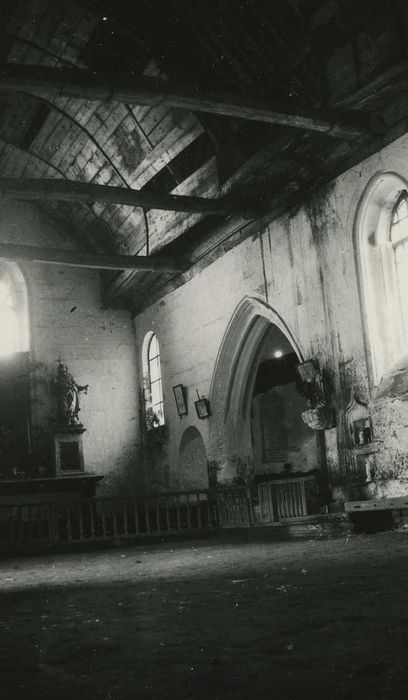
<point x="304" y="267"/>
<point x="69" y="322"/>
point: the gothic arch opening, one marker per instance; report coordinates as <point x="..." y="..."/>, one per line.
<point x="256" y="424"/>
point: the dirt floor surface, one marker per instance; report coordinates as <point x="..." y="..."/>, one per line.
<point x="216" y="619"/>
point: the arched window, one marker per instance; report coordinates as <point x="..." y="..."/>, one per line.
<point x="13" y="310"/>
<point x="153" y="389"/>
<point x="399" y="242"/>
<point x="382" y="251"/>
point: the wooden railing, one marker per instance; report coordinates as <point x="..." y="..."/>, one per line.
<point x="284" y="499"/>
<point x="233" y="507"/>
<point x="181" y="511"/>
<point x="110" y="518"/>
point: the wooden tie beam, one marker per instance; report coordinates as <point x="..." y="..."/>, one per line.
<point x="140" y="90"/>
<point x="25" y="253"/>
<point x="71" y="191"/>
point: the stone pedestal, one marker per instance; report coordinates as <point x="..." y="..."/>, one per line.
<point x="68" y="451"/>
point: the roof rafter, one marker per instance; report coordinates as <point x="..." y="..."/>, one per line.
<point x="107" y="86"/>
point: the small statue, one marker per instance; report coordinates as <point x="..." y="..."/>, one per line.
<point x="68" y="397"/>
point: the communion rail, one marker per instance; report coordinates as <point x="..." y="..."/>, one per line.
<point x="286" y="499"/>
<point x="112" y="518"/>
<point x="174" y="512"/>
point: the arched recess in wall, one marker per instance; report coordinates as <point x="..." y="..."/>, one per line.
<point x="192" y="460"/>
<point x="234" y="376"/>
<point x="380" y="258"/>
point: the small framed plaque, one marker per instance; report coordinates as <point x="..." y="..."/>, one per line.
<point x="202" y="408"/>
<point x="180" y="399"/>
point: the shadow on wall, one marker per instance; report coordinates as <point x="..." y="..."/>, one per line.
<point x="192" y="462"/>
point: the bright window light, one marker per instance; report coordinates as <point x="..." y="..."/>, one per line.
<point x="8" y="319"/>
<point x="278" y="353"/>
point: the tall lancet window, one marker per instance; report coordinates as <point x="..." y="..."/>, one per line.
<point x="152" y="379"/>
<point x="14" y="336"/>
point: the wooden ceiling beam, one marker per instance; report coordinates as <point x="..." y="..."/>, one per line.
<point x="47" y="189"/>
<point x="107" y="86"/>
<point x="25" y="253"/>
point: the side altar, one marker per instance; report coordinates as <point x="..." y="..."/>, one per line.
<point x="57" y="473"/>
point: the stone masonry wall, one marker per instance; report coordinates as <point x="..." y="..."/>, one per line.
<point x="303" y="266"/>
<point x="69" y="322"/>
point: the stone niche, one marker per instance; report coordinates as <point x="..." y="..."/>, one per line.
<point x="361" y="440"/>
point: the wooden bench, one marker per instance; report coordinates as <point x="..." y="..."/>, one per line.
<point x="380" y="504"/>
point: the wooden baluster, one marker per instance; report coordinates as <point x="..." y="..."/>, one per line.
<point x="280" y="502"/>
<point x="158" y="514"/>
<point x="125" y="519"/>
<point x="251" y="518"/>
<point x="188" y="511"/>
<point x="168" y="524"/>
<point x="287" y="500"/>
<point x="294" y="491"/>
<point x="49" y="521"/>
<point x="114" y="518"/>
<point x="39" y="522"/>
<point x="147" y="517"/>
<point x="80" y="521"/>
<point x="178" y="512"/>
<point x="290" y="500"/>
<point x="225" y="504"/>
<point x="19" y="524"/>
<point x="30" y="523"/>
<point x="298" y="498"/>
<point x="136" y="514"/>
<point x="222" y="509"/>
<point x="104" y="531"/>
<point x="239" y="508"/>
<point x="207" y="518"/>
<point x="303" y="496"/>
<point x="198" y="510"/>
<point x="235" y="510"/>
<point x="92" y="519"/>
<point x="69" y="528"/>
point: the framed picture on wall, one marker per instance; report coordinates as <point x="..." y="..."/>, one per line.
<point x="202" y="408"/>
<point x="180" y="399"/>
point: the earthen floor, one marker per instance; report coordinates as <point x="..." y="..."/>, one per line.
<point x="212" y="619"/>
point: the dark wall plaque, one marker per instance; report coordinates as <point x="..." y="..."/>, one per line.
<point x="70" y="456"/>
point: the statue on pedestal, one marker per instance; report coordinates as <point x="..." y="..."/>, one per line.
<point x="68" y="397"/>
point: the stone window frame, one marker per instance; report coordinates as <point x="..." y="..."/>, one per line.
<point x="386" y="340"/>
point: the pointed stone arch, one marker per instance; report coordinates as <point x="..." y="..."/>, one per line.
<point x="233" y="380"/>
